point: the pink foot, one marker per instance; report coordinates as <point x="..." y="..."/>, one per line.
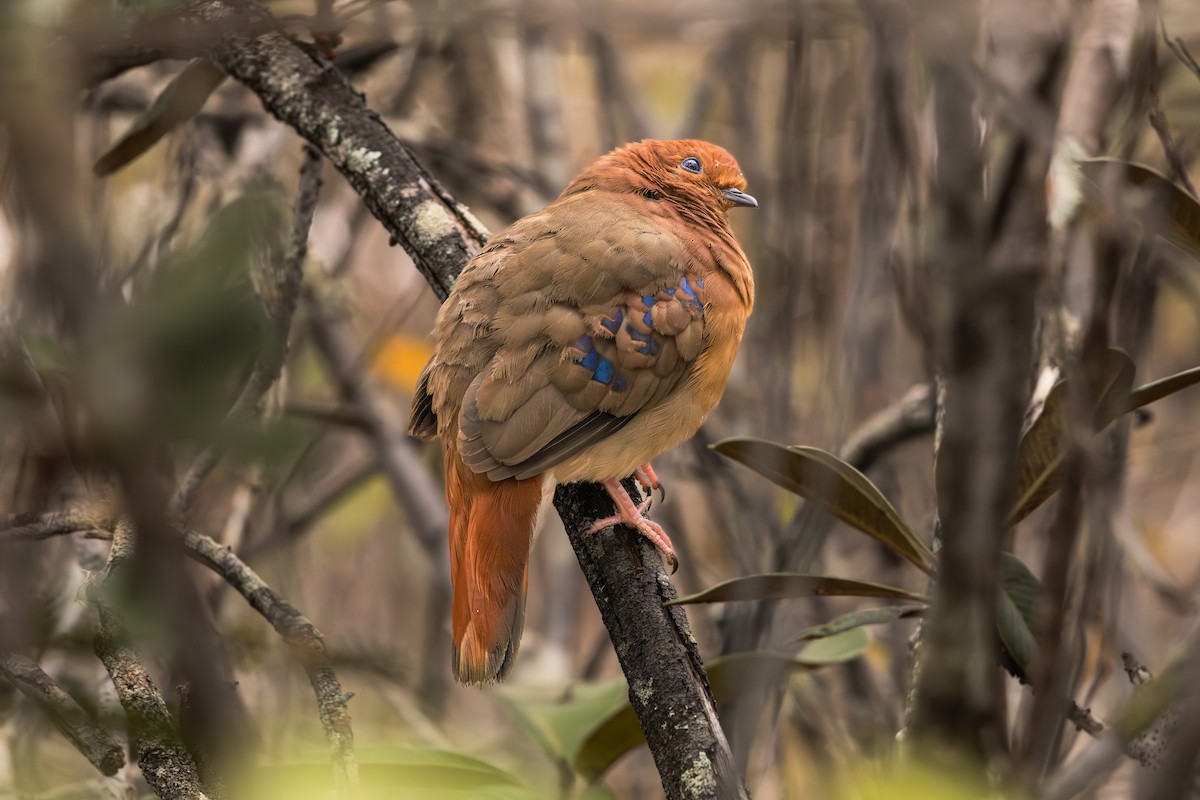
<point x="631" y="515"/>
<point x="649" y="481"/>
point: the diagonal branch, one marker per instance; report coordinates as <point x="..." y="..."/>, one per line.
<point x="67" y="715"/>
<point x="280" y="290"/>
<point x="304" y="91"/>
<point x="304" y="641"/>
<point x="164" y="761"/>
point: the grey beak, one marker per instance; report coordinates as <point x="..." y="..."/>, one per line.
<point x="739" y="198"/>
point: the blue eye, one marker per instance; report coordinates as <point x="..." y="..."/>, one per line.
<point x="691" y="164"/>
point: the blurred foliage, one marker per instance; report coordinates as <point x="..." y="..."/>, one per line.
<point x="503" y="101"/>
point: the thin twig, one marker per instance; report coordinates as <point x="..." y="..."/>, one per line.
<point x="1143" y="728"/>
<point x="280" y="293"/>
<point x="292" y="529"/>
<point x="1158" y="117"/>
<point x="1180" y="50"/>
<point x="305" y="643"/>
<point x="397" y="457"/>
<point x="909" y="417"/>
<point x="342" y="416"/>
<point x="67" y="715"/>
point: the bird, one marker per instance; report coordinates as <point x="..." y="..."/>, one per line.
<point x="583" y="341"/>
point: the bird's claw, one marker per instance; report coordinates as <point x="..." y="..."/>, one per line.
<point x="634" y="517"/>
<point x="648" y="480"/>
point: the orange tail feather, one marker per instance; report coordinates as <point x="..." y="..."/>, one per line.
<point x="491" y="531"/>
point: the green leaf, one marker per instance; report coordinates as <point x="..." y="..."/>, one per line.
<point x="836" y="648"/>
<point x="1044" y="446"/>
<point x="1157" y="390"/>
<point x="857" y="619"/>
<point x="1173" y="201"/>
<point x="1017" y="613"/>
<point x="183" y="98"/>
<point x="787" y="585"/>
<point x="558" y="719"/>
<point x="729" y="676"/>
<point x="835" y="486"/>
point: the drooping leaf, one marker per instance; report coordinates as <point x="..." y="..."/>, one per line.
<point x="1116" y="380"/>
<point x="1157" y="390"/>
<point x="558" y="719"/>
<point x="1172" y="201"/>
<point x="729" y="676"/>
<point x="1044" y="446"/>
<point x="181" y="100"/>
<point x="835" y="486"/>
<point x="837" y="648"/>
<point x="857" y="619"/>
<point x="789" y="585"/>
<point x="1016" y="613"/>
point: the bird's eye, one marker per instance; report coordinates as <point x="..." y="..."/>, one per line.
<point x="691" y="164"/>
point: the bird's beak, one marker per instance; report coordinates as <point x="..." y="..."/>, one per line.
<point x="739" y="198"/>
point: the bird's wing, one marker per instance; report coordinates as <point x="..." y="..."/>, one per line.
<point x="563" y="330"/>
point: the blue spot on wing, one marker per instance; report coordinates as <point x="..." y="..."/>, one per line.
<point x="604" y="371"/>
<point x="669" y="291"/>
<point x="691" y="294"/>
<point x="620" y="384"/>
<point x="638" y="336"/>
<point x="649" y="300"/>
<point x="590" y="361"/>
<point x="584" y="343"/>
<point x="646" y="320"/>
<point x="614" y="324"/>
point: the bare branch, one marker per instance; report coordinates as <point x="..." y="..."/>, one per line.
<point x="1144" y="726"/>
<point x="909" y="417"/>
<point x="71" y="720"/>
<point x="308" y="93"/>
<point x="304" y="641"/>
<point x="280" y="290"/>
<point x="991" y="261"/>
<point x="32" y="527"/>
<point x="1158" y="117"/>
<point x="161" y="756"/>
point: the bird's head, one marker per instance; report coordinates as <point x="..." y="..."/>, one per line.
<point x="694" y="175"/>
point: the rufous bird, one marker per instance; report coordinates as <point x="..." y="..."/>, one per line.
<point x="583" y="341"/>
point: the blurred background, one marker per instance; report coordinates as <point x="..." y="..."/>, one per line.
<point x="121" y="366"/>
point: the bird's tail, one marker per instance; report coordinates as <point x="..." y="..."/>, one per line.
<point x="491" y="531"/>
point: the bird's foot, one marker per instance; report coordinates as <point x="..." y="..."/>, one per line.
<point x="648" y="480"/>
<point x="632" y="516"/>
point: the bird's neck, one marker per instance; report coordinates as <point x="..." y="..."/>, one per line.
<point x="715" y="235"/>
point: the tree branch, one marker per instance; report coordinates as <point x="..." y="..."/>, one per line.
<point x="32" y="527"/>
<point x="668" y="686"/>
<point x="909" y="417"/>
<point x="71" y="720"/>
<point x="439" y="234"/>
<point x="308" y="93"/>
<point x="166" y="764"/>
<point x="304" y="641"/>
<point x="279" y="287"/>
